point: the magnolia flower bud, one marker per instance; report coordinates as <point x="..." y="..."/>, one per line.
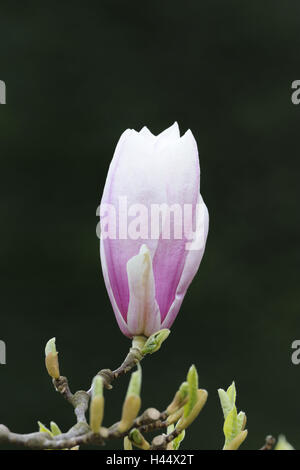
<point x="174" y="417"/>
<point x="51" y="359"/>
<point x="131" y="408"/>
<point x="132" y="403"/>
<point x="127" y="443"/>
<point x="179" y="399"/>
<point x="154" y="225"/>
<point x="97" y="404"/>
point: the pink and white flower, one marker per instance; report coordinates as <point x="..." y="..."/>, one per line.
<point x="147" y="277"/>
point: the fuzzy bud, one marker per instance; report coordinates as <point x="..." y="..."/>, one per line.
<point x="51" y="360"/>
<point x="187" y="421"/>
<point x="97" y="404"/>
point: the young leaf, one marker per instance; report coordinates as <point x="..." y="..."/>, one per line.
<point x="54" y="429"/>
<point x="237" y="441"/>
<point x="231" y="392"/>
<point x="192" y="379"/>
<point x="155" y="341"/>
<point x="241" y="421"/>
<point x="231" y="426"/>
<point x="225" y="402"/>
<point x="234" y="423"/>
<point x="178" y="440"/>
<point x="42" y="428"/>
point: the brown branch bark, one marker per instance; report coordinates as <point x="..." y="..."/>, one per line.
<point x="161" y="442"/>
<point x="80" y="434"/>
<point x="132" y="359"/>
<point x="79" y="401"/>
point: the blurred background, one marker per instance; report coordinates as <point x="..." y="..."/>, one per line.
<point x="77" y="75"/>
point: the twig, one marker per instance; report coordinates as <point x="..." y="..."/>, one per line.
<point x="81" y="434"/>
<point x="80" y="400"/>
<point x="132" y="359"/>
<point x="161" y="442"/>
<point x="41" y="440"/>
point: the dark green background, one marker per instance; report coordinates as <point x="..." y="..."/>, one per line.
<point x="78" y="74"/>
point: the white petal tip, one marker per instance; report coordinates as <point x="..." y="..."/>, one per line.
<point x="144" y="249"/>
